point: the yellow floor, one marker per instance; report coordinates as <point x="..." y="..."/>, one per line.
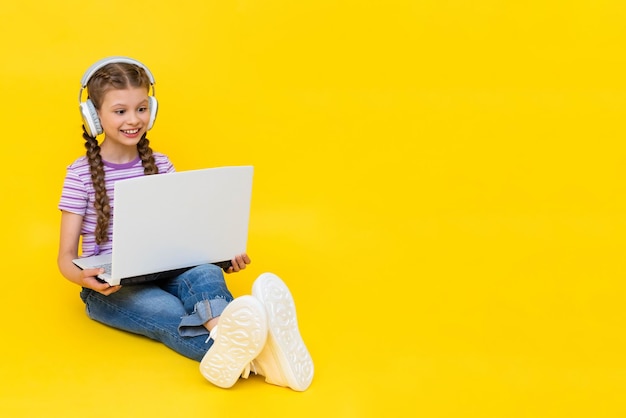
<point x="441" y="184"/>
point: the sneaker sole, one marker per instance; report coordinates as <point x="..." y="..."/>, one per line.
<point x="241" y="336"/>
<point x="284" y="338"/>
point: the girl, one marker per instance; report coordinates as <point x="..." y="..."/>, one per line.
<point x="194" y="313"/>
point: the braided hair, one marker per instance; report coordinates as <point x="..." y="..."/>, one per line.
<point x="113" y="76"/>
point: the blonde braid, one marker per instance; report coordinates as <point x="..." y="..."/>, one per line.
<point x="147" y="157"/>
<point x="101" y="204"/>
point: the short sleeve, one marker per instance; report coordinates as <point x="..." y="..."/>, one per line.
<point x="74" y="196"/>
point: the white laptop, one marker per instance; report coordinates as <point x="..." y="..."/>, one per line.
<point x="167" y="223"/>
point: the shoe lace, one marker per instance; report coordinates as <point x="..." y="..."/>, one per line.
<point x="250" y="367"/>
<point x="212" y="335"/>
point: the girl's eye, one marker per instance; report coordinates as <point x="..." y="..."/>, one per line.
<point x="142" y="109"/>
<point x="120" y="112"/>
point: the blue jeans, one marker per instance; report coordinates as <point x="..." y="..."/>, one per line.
<point x="171" y="311"/>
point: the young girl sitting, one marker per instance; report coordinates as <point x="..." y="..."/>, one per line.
<point x="194" y="313"/>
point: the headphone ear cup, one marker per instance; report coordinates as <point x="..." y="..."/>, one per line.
<point x="90" y="118"/>
<point x="153" y="106"/>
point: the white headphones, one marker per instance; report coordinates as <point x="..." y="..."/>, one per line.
<point x="87" y="108"/>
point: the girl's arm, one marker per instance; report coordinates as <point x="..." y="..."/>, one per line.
<point x="71" y="224"/>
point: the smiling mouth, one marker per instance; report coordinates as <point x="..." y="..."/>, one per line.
<point x="130" y="131"/>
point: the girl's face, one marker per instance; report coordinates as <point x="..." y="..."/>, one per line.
<point x="124" y="116"/>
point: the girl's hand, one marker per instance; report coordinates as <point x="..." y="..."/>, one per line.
<point x="90" y="281"/>
<point x="238" y="263"/>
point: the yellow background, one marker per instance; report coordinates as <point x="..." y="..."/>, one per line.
<point x="441" y="184"/>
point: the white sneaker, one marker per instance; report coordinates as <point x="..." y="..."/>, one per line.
<point x="285" y="360"/>
<point x="238" y="338"/>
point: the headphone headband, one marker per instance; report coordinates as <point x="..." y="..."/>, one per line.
<point x="111" y="60"/>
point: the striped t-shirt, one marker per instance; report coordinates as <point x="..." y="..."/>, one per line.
<point x="78" y="195"/>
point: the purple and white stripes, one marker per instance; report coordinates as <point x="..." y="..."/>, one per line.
<point x="78" y="195"/>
